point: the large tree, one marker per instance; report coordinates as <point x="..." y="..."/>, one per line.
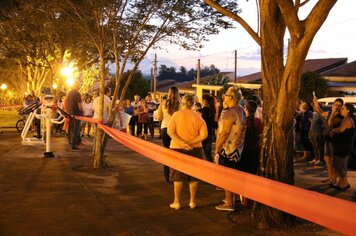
<point x="281" y="82"/>
<point x="93" y="20"/>
<point x="38" y="53"/>
<point x="128" y="29"/>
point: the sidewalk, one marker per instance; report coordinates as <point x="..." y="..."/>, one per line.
<point x="63" y="196"/>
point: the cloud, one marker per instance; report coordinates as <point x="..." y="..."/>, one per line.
<point x="321" y="53"/>
<point x="254" y="55"/>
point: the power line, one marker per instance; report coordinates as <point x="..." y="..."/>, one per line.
<point x="191" y="58"/>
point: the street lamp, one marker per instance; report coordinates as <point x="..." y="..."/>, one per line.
<point x="70" y="81"/>
<point x="3" y="87"/>
<point x="69" y="72"/>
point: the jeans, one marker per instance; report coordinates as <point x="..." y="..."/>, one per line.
<point x="166" y="140"/>
<point x="151" y="126"/>
<point x="133" y="123"/>
<point x="207" y="146"/>
<point x="74" y="133"/>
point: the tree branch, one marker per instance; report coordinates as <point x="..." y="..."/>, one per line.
<point x="318" y="15"/>
<point x="290" y="16"/>
<point x="298" y="4"/>
<point x="236" y="18"/>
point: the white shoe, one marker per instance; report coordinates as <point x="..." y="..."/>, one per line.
<point x="318" y="163"/>
<point x="223" y="207"/>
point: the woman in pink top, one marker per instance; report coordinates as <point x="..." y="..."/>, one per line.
<point x="187" y="130"/>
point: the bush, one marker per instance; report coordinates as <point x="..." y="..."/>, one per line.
<point x="9" y="117"/>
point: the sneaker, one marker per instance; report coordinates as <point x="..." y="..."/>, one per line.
<point x="318" y="163"/>
<point x="223" y="207"/>
<point x="312" y="161"/>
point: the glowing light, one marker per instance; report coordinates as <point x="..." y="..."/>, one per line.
<point x="3" y="87"/>
<point x="54" y="86"/>
<point x="68" y="70"/>
<point x="70" y="81"/>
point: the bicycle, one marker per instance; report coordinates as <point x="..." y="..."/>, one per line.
<point x="20" y="124"/>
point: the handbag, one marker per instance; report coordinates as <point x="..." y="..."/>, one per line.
<point x="235" y="156"/>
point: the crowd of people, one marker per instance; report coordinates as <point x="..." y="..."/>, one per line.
<point x="187" y="125"/>
<point x="138" y="114"/>
<point x="191" y="126"/>
<point x="326" y="137"/>
<point x="235" y="124"/>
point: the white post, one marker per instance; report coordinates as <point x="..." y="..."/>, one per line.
<point x="198" y="72"/>
<point x="48" y="152"/>
<point x="155" y="78"/>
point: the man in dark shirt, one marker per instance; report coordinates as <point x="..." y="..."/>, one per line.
<point x="75" y="109"/>
<point x="151" y="108"/>
<point x="208" y="113"/>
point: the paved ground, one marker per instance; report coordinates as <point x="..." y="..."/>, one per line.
<point x="63" y="196"/>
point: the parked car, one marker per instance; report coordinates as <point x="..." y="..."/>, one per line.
<point x="329" y="100"/>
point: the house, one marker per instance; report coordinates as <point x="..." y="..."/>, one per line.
<point x="341" y="78"/>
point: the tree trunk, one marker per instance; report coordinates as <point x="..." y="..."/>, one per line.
<point x="98" y="145"/>
<point x="276" y="160"/>
<point x="281" y="85"/>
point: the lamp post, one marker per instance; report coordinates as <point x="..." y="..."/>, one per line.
<point x="3" y="87"/>
<point x="68" y="73"/>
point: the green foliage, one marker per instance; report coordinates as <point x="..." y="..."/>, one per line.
<point x="312" y="81"/>
<point x="138" y="85"/>
<point x="35" y="35"/>
<point x="216" y="79"/>
<point x="209" y="70"/>
<point x="89" y="76"/>
<point x="165" y="72"/>
<point x="9" y="117"/>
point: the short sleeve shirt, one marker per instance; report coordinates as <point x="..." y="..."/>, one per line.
<point x="234" y="141"/>
<point x="187" y="125"/>
<point x="74" y="99"/>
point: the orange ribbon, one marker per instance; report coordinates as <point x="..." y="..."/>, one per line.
<point x="331" y="212"/>
<point x="11" y="106"/>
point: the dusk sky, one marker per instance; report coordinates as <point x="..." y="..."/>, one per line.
<point x="336" y="38"/>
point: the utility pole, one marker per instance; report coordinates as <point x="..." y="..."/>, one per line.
<point x="198" y="72"/>
<point x="235" y="74"/>
<point x="155" y="77"/>
<point x="151" y="84"/>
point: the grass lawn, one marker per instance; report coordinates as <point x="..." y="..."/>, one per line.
<point x="9" y="117"/>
